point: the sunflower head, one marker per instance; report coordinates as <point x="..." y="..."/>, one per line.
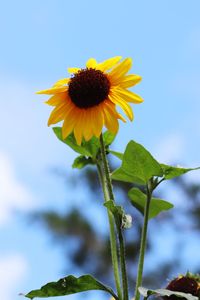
<point x="86" y="102"/>
<point x="189" y="283"/>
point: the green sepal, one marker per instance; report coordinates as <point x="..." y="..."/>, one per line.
<point x="138" y="200"/>
<point x="138" y="165"/>
<point x="70" y="285"/>
<point x="90" y="148"/>
<point x="164" y="292"/>
<point x="86" y="148"/>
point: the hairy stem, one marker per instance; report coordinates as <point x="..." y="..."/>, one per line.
<point x="113" y="243"/>
<point x="108" y="185"/>
<point x="143" y="244"/>
<point x="123" y="265"/>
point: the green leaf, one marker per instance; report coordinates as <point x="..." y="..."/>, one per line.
<point x="117" y="154"/>
<point x="108" y="138"/>
<point x="121" y="175"/>
<point x="163" y="292"/>
<point x="71" y="142"/>
<point x="81" y="161"/>
<point x="92" y="146"/>
<point x="69" y="285"/>
<point x="138" y="165"/>
<point x="89" y="148"/>
<point x="138" y="200"/>
<point x="171" y="172"/>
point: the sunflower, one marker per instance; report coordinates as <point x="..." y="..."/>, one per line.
<point x="87" y="101"/>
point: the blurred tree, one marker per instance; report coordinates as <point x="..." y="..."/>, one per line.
<point x="88" y="248"/>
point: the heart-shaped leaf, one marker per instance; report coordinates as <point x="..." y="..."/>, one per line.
<point x="138" y="165"/>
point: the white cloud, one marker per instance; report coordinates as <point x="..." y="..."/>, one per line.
<point x="12" y="270"/>
<point x="13" y="194"/>
<point x="170" y="149"/>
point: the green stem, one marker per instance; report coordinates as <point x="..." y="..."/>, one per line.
<point x="123" y="265"/>
<point x="106" y="169"/>
<point x="143" y="244"/>
<point x="120" y="235"/>
<point x="113" y="243"/>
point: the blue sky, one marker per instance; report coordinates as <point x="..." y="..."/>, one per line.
<point x="39" y="40"/>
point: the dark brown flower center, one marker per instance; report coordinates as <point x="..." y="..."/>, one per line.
<point x="183" y="284"/>
<point x="88" y="88"/>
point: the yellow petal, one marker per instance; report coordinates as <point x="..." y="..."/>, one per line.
<point x="67" y="128"/>
<point x="91" y="63"/>
<point x="97" y="120"/>
<point x="127" y="95"/>
<point x="119" y="116"/>
<point x="129" y="80"/>
<point x="112" y="107"/>
<point x="73" y="70"/>
<point x="108" y="64"/>
<point x="120" y="70"/>
<point x="78" y="129"/>
<point x="53" y="90"/>
<point x="57" y="99"/>
<point x="61" y="82"/>
<point x="123" y="104"/>
<point x="110" y="119"/>
<point x="87" y="128"/>
<point x="58" y="114"/>
<point x="69" y="121"/>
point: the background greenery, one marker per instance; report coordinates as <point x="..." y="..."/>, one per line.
<point x="86" y="246"/>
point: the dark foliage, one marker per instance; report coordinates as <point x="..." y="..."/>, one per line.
<point x="88" y="249"/>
